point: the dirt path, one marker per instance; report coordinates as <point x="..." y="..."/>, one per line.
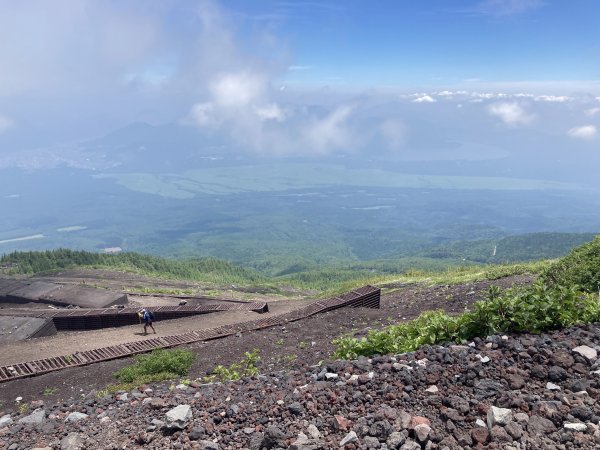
<point x="298" y="344"/>
<point x="65" y="343"/>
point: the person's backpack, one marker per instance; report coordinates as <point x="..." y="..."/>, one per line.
<point x="151" y="314"/>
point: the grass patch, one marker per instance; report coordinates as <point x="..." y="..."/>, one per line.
<point x="581" y="267"/>
<point x="159" y="365"/>
<point x="49" y="391"/>
<point x="247" y="367"/>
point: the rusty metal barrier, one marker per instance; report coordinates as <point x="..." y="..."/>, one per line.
<point x="93" y="319"/>
<point x="367" y="296"/>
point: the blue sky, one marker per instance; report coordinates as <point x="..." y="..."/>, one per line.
<point x="434" y="43"/>
<point x="305" y="77"/>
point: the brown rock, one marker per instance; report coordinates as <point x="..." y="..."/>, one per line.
<point x="157" y="403"/>
<point x="540" y="425"/>
<point x="563" y="359"/>
<point x="515" y="381"/>
<point x="418" y="420"/>
<point x="499" y="434"/>
<point x="480" y="435"/>
<point x="514" y="429"/>
<point x="341" y="423"/>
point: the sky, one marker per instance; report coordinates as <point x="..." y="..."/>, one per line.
<point x="291" y="78"/>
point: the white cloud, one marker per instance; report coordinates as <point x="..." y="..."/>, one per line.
<point x="203" y="115"/>
<point x="552" y="98"/>
<point x="592" y="111"/>
<point x="270" y="112"/>
<point x="394" y="133"/>
<point x="331" y="132"/>
<point x="5" y="123"/>
<point x="424" y="99"/>
<point x="237" y="90"/>
<point x="511" y="113"/>
<point x="585" y="132"/>
<point x="506" y="7"/>
<point x="71" y="46"/>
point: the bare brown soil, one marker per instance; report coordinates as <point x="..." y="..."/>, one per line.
<point x="301" y="343"/>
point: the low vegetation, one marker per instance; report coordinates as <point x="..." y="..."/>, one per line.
<point x="328" y="280"/>
<point x="201" y="269"/>
<point x="159" y="365"/>
<point x="247" y="367"/>
<point x="562" y="297"/>
<point x="580" y="268"/>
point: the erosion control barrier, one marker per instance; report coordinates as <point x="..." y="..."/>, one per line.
<point x="93" y="319"/>
<point x="367" y="296"/>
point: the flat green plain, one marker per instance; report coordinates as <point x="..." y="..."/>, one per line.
<point x="282" y="177"/>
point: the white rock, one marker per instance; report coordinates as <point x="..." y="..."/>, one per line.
<point x="313" y="431"/>
<point x="483" y="359"/>
<point x="552" y="387"/>
<point x="157" y="423"/>
<point x="37" y="416"/>
<point x="177" y="417"/>
<point x="301" y="439"/>
<point x="350" y="437"/>
<point x="76" y="416"/>
<point x="422" y="432"/>
<point x="182" y="387"/>
<point x="331" y="376"/>
<point x="432" y="389"/>
<point x="498" y="416"/>
<point x="5" y="420"/>
<point x="575" y="426"/>
<point x="73" y="441"/>
<point x="587" y="352"/>
<point x="480" y="423"/>
<point x="521" y="418"/>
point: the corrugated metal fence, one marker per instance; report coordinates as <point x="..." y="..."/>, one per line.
<point x="367" y="296"/>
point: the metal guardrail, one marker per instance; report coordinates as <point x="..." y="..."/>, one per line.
<point x="367" y="296"/>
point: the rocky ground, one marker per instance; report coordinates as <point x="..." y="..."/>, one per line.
<point x="503" y="392"/>
<point x="510" y="392"/>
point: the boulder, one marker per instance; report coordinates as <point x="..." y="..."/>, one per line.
<point x="178" y="417"/>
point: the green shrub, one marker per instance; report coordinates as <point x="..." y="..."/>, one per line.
<point x="535" y="309"/>
<point x="159" y="365"/>
<point x="581" y="267"/>
<point x="245" y="368"/>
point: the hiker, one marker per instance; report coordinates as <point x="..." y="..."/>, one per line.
<point x="148" y="317"/>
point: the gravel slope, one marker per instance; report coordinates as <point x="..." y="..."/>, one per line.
<point x="510" y="392"/>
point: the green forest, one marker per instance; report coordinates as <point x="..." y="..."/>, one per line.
<point x="451" y="264"/>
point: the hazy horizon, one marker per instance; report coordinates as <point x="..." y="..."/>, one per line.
<point x="123" y="123"/>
